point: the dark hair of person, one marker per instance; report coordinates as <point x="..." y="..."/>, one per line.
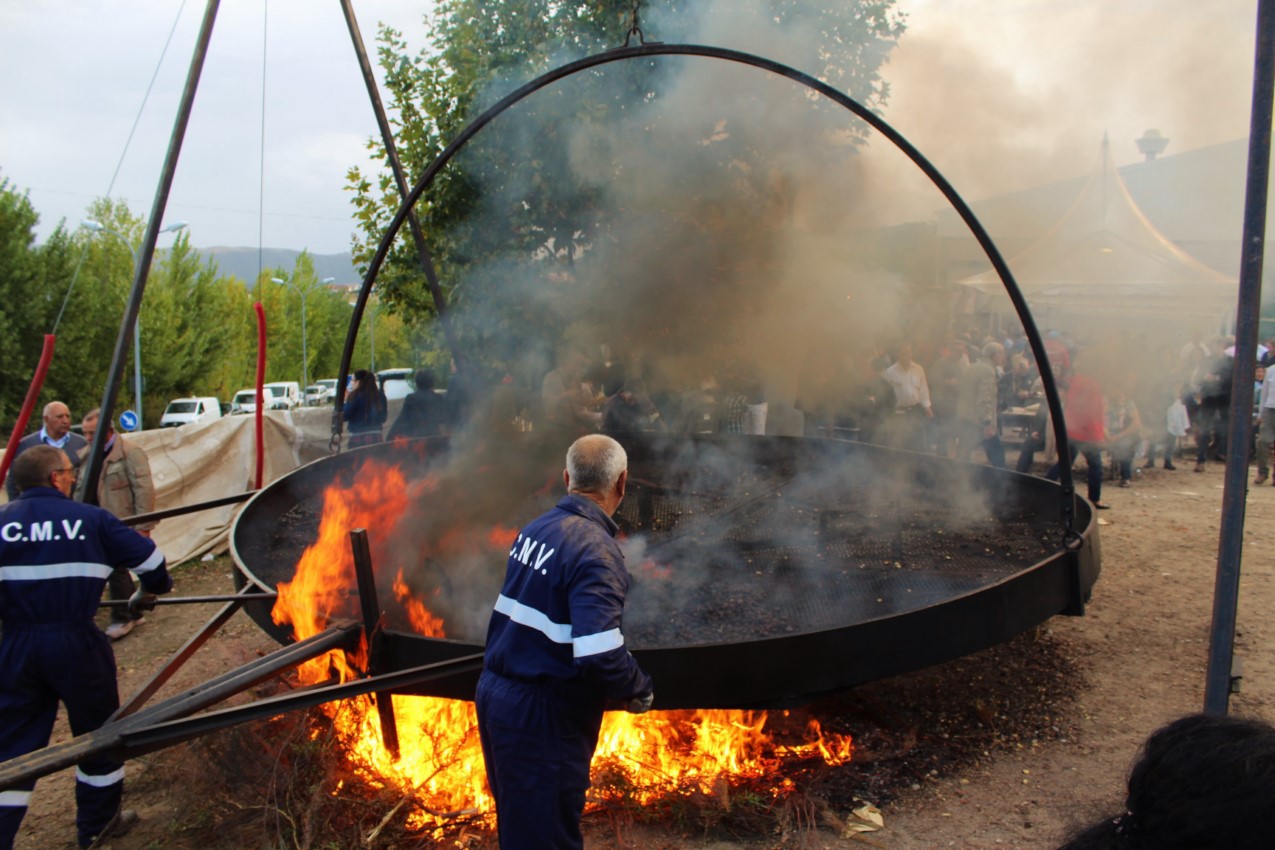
<point x="1202" y="782"/>
<point x="369" y="390"/>
<point x="424" y="380"/>
<point x="35" y="467"/>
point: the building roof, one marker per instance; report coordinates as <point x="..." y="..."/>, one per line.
<point x="1103" y="253"/>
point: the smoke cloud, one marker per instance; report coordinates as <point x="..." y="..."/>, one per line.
<point x="716" y="235"/>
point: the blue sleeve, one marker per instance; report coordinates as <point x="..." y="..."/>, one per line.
<point x="136" y="553"/>
<point x="597" y="607"/>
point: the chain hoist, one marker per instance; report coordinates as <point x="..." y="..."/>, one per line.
<point x="634" y="28"/>
<point x="334" y="442"/>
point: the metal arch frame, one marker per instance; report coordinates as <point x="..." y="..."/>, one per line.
<point x="876" y="122"/>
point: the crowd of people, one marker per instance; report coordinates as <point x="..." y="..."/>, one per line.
<point x="973" y="396"/>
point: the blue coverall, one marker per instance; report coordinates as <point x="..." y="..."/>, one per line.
<point x="555" y="654"/>
<point x="55" y="557"/>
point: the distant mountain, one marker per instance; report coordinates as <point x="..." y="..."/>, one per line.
<point x="244" y="263"/>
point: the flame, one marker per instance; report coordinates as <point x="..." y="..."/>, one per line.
<point x="320" y="588"/>
<point x="440" y="763"/>
<point x="423" y="622"/>
<point x="502" y="538"/>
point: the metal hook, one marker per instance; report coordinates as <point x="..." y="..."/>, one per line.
<point x="634" y="27"/>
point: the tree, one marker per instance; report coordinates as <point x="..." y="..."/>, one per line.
<point x="28" y="286"/>
<point x="517" y="204"/>
<point x="183" y="331"/>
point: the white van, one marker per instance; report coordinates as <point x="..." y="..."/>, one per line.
<point x="183" y="411"/>
<point x="396" y="383"/>
<point x="244" y="401"/>
<point x="282" y="395"/>
<point x="327" y="394"/>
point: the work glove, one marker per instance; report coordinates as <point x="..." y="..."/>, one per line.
<point x="140" y="601"/>
<point x="640" y="704"/>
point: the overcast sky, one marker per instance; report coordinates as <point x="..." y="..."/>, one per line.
<point x="999" y="94"/>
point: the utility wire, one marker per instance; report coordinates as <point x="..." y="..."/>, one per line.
<point x="84" y="251"/>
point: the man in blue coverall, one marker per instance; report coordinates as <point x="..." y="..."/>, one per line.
<point x="55" y="557"/>
<point x="555" y="655"/>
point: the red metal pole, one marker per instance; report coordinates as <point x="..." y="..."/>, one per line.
<point x="33" y="392"/>
<point x="261" y="377"/>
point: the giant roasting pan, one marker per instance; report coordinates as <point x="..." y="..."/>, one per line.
<point x="766" y="570"/>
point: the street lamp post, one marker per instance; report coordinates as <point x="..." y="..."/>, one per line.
<point x="98" y="227"/>
<point x="371" y="329"/>
<point x="305" y="353"/>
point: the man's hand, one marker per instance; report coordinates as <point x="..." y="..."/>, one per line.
<point x="140" y="601"/>
<point x="640" y="705"/>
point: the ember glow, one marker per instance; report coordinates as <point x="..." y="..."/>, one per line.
<point x="440" y="763"/>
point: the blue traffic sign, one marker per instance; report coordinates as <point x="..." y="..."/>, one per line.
<point x="128" y="420"/>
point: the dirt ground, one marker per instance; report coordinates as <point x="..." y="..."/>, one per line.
<point x="1011" y="748"/>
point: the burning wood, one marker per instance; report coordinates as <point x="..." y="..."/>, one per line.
<point x="440" y="760"/>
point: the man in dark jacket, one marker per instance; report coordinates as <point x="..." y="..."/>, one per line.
<point x="55" y="556"/>
<point x="56" y="432"/>
<point x="424" y="412"/>
<point x="555" y="655"/>
<point x="1212" y="419"/>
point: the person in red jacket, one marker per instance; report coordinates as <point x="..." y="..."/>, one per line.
<point x="1086" y="413"/>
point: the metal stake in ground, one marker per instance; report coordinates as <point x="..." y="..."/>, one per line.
<point x="370" y="605"/>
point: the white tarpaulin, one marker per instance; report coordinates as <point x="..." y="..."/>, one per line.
<point x="211" y="460"/>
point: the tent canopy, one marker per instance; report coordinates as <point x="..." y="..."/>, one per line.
<point x="1104" y="255"/>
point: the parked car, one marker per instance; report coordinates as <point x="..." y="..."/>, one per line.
<point x="183" y="411"/>
<point x="282" y="395"/>
<point x="244" y="401"/>
<point x="396" y="383"/>
<point x="326" y="394"/>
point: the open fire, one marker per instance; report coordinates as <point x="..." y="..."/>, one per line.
<point x="440" y="761"/>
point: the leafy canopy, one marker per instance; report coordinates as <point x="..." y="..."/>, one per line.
<point x="515" y="196"/>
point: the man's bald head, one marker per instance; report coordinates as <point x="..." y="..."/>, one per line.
<point x="57" y="419"/>
<point x="597" y="468"/>
<point x="594" y="463"/>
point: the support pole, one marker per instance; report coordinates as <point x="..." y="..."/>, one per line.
<point x="93" y="466"/>
<point x="413" y="224"/>
<point x="1226" y="588"/>
<point x="157" y="681"/>
<point x="110" y="736"/>
<point x="259" y="442"/>
<point x="28" y="404"/>
<point x="370" y="606"/>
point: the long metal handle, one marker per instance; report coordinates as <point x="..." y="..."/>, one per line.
<point x="193" y="600"/>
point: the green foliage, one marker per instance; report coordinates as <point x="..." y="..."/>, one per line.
<point x="515" y="197"/>
<point x="32" y="285"/>
<point x="20" y="320"/>
<point x="198" y="328"/>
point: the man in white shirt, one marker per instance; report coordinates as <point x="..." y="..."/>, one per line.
<point x="911" y="399"/>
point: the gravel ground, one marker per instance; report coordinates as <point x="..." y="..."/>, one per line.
<point x="1009" y="748"/>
